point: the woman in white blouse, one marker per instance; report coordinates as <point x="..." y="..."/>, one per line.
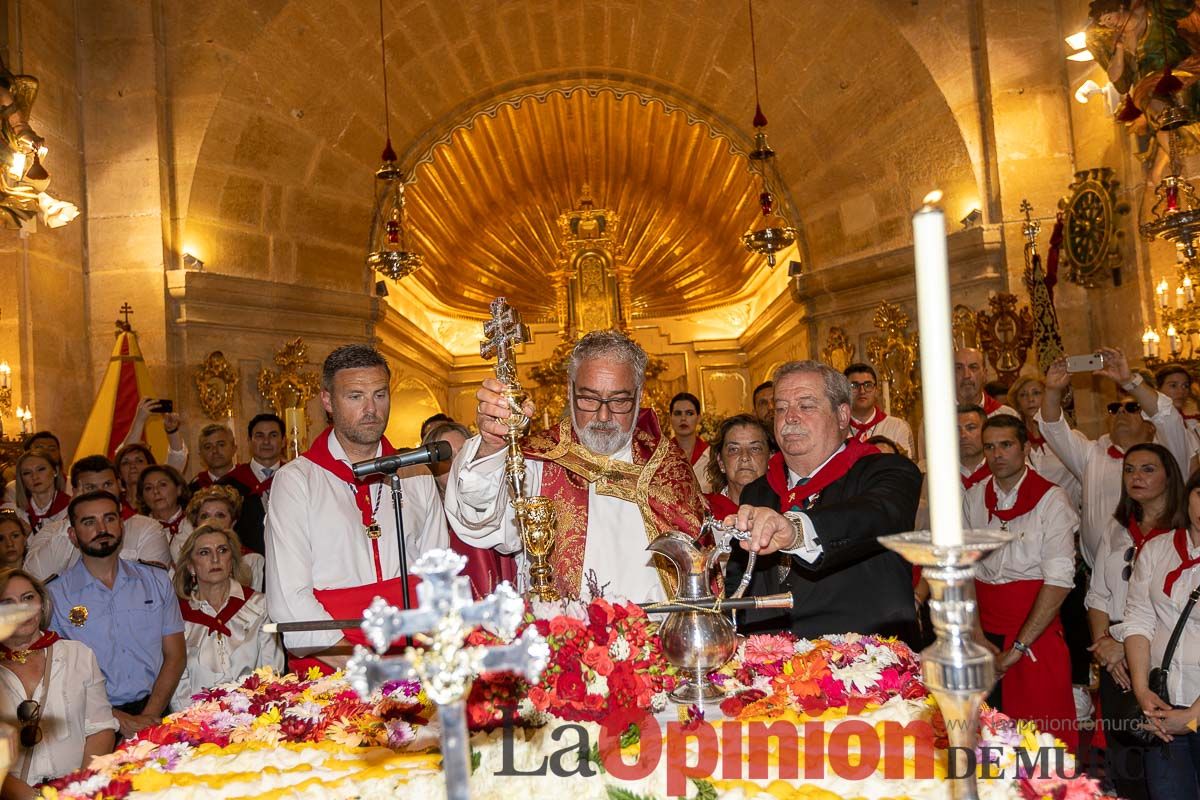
<point x="221" y="506"/>
<point x="1167" y="571"/>
<point x="1151" y="506"/>
<point x="52" y="692"/>
<point x="162" y="494"/>
<point x="223" y="617"/>
<point x="41" y="489"/>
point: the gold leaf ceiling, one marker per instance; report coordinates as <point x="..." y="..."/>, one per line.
<point x="484" y="206"/>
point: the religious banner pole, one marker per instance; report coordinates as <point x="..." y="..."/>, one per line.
<point x="1046" y="336"/>
<point x="443" y="663"/>
<point x="958" y="671"/>
<point x="536" y="517"/>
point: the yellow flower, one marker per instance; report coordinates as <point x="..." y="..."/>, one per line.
<point x="272" y="717"/>
<point x="343" y="732"/>
<point x="313" y="673"/>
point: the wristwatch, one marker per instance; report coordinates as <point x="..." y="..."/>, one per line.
<point x="1024" y="650"/>
<point x="797" y="528"/>
<point x="1134" y="382"/>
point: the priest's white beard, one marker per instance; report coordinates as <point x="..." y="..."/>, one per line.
<point x="604" y="438"/>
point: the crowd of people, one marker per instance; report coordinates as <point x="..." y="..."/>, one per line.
<point x="150" y="587"/>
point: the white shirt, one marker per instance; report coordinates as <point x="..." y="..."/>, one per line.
<point x="260" y="471"/>
<point x="1107" y="589"/>
<point x="1043" y="545"/>
<point x="1100" y="474"/>
<point x="213" y="658"/>
<point x="175" y="541"/>
<point x="316" y="540"/>
<point x="810" y="548"/>
<point x="1045" y="462"/>
<point x="44" y="521"/>
<point x="893" y="428"/>
<point x="1152" y="614"/>
<point x="615" y="549"/>
<point x="50" y="552"/>
<point x="253" y="561"/>
<point x="76" y="707"/>
<point x="701" y="470"/>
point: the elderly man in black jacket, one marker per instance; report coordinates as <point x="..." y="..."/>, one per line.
<point x="815" y="517"/>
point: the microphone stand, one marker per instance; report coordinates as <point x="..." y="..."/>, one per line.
<point x="397" y="505"/>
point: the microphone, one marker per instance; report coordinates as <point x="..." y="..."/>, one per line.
<point x="425" y="454"/>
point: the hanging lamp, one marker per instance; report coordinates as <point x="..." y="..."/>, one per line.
<point x="771" y="232"/>
<point x="387" y="249"/>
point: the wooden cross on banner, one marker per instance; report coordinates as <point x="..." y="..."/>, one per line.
<point x="500" y="334"/>
<point x="445" y="666"/>
<point x="124" y="325"/>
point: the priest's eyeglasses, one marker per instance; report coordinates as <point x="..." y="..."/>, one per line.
<point x="616" y="405"/>
<point x="1130" y="407"/>
<point x="29" y="714"/>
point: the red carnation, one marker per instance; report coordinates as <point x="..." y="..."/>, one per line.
<point x="570" y="687"/>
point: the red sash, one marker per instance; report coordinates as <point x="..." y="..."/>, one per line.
<point x="1116" y="452"/>
<point x="1033" y="488"/>
<point x="802" y="496"/>
<point x="58" y="504"/>
<point x="219" y="623"/>
<point x="244" y="474"/>
<point x="349" y="603"/>
<point x="697" y="451"/>
<point x="669" y="498"/>
<point x="975" y="477"/>
<point x="862" y="430"/>
<point x="1039" y="691"/>
<point x="1181" y="548"/>
<point x="45" y="640"/>
<point x="720" y="505"/>
<point x="990" y="404"/>
<point x="319" y="454"/>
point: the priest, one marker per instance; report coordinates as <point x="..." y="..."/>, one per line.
<point x="332" y="543"/>
<point x="615" y="480"/>
<point x="814" y="518"/>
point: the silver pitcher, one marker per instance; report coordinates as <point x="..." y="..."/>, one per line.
<point x="700" y="641"/>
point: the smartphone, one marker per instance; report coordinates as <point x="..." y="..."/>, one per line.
<point x="162" y="407"/>
<point x="1088" y="363"/>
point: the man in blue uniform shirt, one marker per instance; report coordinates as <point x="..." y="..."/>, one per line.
<point x="125" y="611"/>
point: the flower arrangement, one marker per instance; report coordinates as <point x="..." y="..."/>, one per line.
<point x="775" y="673"/>
<point x="604" y="658"/>
<point x="264" y="708"/>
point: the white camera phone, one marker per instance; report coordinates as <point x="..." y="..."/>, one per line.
<point x="1088" y="363"/>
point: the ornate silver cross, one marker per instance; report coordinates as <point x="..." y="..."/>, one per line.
<point x="500" y="334"/>
<point x="441" y="622"/>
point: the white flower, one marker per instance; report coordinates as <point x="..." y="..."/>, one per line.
<point x="237" y="702"/>
<point x="861" y="675"/>
<point x="308" y="711"/>
<point x="89" y="786"/>
<point x="618" y="650"/>
<point x="529" y="713"/>
<point x="597" y="684"/>
<point x="804" y="646"/>
<point x="658" y="701"/>
<point x="880" y="655"/>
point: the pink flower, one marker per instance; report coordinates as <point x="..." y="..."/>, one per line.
<point x="598" y="659"/>
<point x="769" y="648"/>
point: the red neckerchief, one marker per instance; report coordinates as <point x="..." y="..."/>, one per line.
<point x="720" y="505"/>
<point x="863" y="429"/>
<point x="171" y="526"/>
<point x="801" y="496"/>
<point x="1189" y="416"/>
<point x="1036" y="440"/>
<point x="45" y="640"/>
<point x="219" y="623"/>
<point x="975" y="477"/>
<point x="1116" y="452"/>
<point x="697" y="450"/>
<point x="1033" y="488"/>
<point x="990" y="404"/>
<point x="58" y="503"/>
<point x="319" y="454"/>
<point x="1140" y="539"/>
<point x="1181" y="547"/>
<point x="127" y="510"/>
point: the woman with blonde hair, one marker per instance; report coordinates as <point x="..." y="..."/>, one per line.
<point x="51" y="691"/>
<point x="223" y="617"/>
<point x="221" y="506"/>
<point x="41" y="489"/>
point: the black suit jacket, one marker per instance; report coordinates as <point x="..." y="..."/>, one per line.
<point x="857" y="585"/>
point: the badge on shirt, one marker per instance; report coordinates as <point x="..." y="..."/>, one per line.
<point x="78" y="615"/>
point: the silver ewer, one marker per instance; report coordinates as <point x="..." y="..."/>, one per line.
<point x="957" y="670"/>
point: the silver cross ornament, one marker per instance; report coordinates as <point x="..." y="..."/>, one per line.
<point x="444" y="664"/>
<point x="501" y="334"/>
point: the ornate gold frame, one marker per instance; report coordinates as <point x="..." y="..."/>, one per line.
<point x="216" y="382"/>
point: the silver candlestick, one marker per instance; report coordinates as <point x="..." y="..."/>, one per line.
<point x="957" y="670"/>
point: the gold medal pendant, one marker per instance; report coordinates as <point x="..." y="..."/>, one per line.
<point x="78" y="615"/>
<point x="373" y="531"/>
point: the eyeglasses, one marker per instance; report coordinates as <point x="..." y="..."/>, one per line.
<point x="862" y="386"/>
<point x="29" y="714"/>
<point x="616" y="405"/>
<point x="1129" y="407"/>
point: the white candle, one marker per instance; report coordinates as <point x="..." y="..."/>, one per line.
<point x="887" y="396"/>
<point x="1161" y="291"/>
<point x="1179" y="297"/>
<point x="5" y="374"/>
<point x="1147" y="338"/>
<point x="937" y="373"/>
<point x="1172" y="340"/>
<point x="1189" y="290"/>
<point x="1154" y="344"/>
